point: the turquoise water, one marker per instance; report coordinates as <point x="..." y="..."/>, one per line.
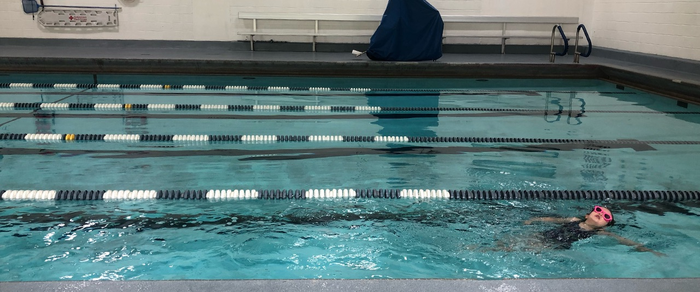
<point x="339" y="239"/>
<point x="346" y="239"/>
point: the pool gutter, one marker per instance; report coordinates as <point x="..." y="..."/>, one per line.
<point x="384" y="285"/>
<point x="295" y="68"/>
<point x="681" y="90"/>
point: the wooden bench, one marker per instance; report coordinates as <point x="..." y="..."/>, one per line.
<point x="451" y="23"/>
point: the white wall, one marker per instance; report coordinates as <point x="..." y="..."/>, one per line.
<point x="669" y="27"/>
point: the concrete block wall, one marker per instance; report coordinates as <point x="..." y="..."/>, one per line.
<point x="667" y="27"/>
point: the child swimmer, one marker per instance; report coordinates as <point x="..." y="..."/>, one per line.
<point x="572" y="230"/>
<point x="575" y="229"/>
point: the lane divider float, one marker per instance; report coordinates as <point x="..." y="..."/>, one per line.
<point x="421" y="194"/>
<point x="57" y="138"/>
<point x="288" y="108"/>
<point x="225" y="107"/>
<point x="281" y="88"/>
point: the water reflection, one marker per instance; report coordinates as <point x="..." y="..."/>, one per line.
<point x="418" y="125"/>
<point x="555" y="106"/>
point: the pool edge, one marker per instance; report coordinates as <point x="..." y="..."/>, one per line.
<point x="683" y="90"/>
<point x="385" y="285"/>
<point x="295" y="68"/>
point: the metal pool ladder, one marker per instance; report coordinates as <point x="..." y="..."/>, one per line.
<point x="577" y="55"/>
<point x="552" y="53"/>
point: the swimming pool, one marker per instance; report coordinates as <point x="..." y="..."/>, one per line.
<point x="371" y="138"/>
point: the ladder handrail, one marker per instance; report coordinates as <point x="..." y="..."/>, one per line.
<point x="552" y="54"/>
<point x="588" y="39"/>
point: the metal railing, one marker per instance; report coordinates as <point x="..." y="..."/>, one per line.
<point x="577" y="55"/>
<point x="552" y="53"/>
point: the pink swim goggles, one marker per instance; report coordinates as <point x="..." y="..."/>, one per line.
<point x="606" y="215"/>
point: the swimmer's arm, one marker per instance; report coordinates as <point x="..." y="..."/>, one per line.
<point x="551" y="219"/>
<point x="637" y="246"/>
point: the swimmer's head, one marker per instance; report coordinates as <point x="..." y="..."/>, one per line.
<point x="600" y="217"/>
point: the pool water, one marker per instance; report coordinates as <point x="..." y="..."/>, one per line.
<point x="648" y="143"/>
<point x="337" y="239"/>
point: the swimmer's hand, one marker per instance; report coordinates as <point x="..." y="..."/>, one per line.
<point x="646" y="249"/>
<point x="527" y="222"/>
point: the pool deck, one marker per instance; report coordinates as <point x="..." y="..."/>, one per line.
<point x="18" y="55"/>
<point x="155" y="54"/>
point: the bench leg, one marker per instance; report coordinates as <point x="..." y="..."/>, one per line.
<point x="252" y="46"/>
<point x="503" y="40"/>
<point x="313" y="47"/>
